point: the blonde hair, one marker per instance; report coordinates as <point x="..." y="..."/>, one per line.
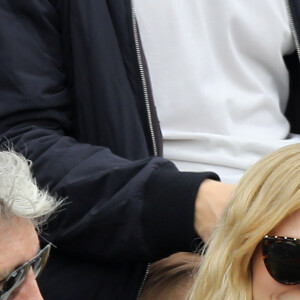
<point x="19" y="193"/>
<point x="267" y="194"/>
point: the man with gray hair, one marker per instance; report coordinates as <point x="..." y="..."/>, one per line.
<point x="23" y="209"/>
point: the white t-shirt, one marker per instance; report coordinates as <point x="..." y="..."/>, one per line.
<point x="219" y="80"/>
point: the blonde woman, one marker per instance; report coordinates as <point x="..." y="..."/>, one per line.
<point x="260" y="229"/>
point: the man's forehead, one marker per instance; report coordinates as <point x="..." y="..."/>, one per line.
<point x="19" y="243"/>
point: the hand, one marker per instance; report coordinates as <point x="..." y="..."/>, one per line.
<point x="211" y="201"/>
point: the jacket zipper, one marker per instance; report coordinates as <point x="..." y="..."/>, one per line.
<point x="142" y="72"/>
<point x="292" y="26"/>
<point x="143" y="78"/>
<point x="143" y="282"/>
<point x="149" y="114"/>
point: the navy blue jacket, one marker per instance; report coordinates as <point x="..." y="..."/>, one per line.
<point x="75" y="101"/>
<point x="72" y="101"/>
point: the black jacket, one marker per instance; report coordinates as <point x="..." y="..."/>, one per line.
<point x="70" y="90"/>
<point x="75" y="101"/>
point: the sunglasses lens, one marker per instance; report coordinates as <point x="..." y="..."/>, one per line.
<point x="15" y="279"/>
<point x="282" y="260"/>
<point x="40" y="261"/>
<point x="17" y="276"/>
<point x="37" y="266"/>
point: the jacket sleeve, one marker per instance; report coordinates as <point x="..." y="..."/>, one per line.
<point x="116" y="209"/>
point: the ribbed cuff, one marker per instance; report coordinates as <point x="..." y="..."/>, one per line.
<point x="168" y="214"/>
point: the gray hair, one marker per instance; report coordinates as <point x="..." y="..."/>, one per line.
<point x="19" y="193"/>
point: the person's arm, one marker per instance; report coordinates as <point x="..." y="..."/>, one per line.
<point x="116" y="209"/>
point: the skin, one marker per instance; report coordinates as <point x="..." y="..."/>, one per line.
<point x="211" y="200"/>
<point x="19" y="243"/>
<point x="264" y="286"/>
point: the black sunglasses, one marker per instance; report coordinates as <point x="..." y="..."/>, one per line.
<point x="16" y="277"/>
<point x="282" y="258"/>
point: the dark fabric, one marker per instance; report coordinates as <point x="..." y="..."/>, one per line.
<point x="292" y="62"/>
<point x="173" y="226"/>
<point x="71" y="100"/>
<point x="293" y="107"/>
<point x="84" y="279"/>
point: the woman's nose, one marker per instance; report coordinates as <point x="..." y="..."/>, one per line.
<point x="28" y="290"/>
